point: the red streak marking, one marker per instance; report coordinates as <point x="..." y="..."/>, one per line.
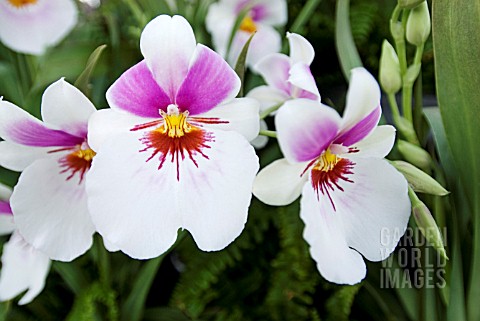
<point x="208" y="120"/>
<point x="190" y="144"/>
<point x="327" y="181"/>
<point x="74" y="163"/>
<point x="147" y="125"/>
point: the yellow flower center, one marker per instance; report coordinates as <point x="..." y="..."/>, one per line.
<point x="327" y="161"/>
<point x="175" y="123"/>
<point x="85" y="154"/>
<point x="248" y="25"/>
<point x="21" y="3"/>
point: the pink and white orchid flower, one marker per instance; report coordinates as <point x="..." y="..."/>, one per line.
<point x="287" y="77"/>
<point x="350" y="194"/>
<point x="31" y="26"/>
<point x="173" y="151"/>
<point x="49" y="200"/>
<point x="261" y="19"/>
<point x="23" y="267"/>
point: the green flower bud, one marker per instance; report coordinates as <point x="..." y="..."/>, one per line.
<point x="419" y="180"/>
<point x="418" y="25"/>
<point x="415" y="155"/>
<point x="409" y="4"/>
<point x="426" y="224"/>
<point x="406" y="129"/>
<point x="390" y="78"/>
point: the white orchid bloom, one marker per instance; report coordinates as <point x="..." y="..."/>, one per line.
<point x="31" y="26"/>
<point x="350" y="194"/>
<point x="262" y="17"/>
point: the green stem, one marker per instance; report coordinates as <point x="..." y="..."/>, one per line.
<point x="268" y="133"/>
<point x="394" y="107"/>
<point x="307" y="11"/>
<point x="398" y="32"/>
<point x="264" y="114"/>
<point x="408" y="86"/>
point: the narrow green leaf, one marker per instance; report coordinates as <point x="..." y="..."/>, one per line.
<point x="456" y="44"/>
<point x="133" y="307"/>
<point x="72" y="275"/>
<point x="346" y="49"/>
<point x="241" y="15"/>
<point x="240" y="66"/>
<point x="304" y="16"/>
<point x="83" y="80"/>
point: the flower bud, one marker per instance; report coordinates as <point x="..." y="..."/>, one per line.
<point x="409" y="4"/>
<point x="419" y="180"/>
<point x="390" y="78"/>
<point x="415" y="155"/>
<point x="406" y="129"/>
<point x="418" y="25"/>
<point x="426" y="224"/>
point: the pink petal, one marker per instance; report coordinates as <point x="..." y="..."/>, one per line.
<point x="305" y="128"/>
<point x="137" y="92"/>
<point x="360" y="130"/>
<point x="210" y="81"/>
<point x="20" y="127"/>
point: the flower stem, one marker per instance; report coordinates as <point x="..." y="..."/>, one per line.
<point x="268" y="133"/>
<point x="264" y="114"/>
<point x="408" y="85"/>
<point x="393" y="107"/>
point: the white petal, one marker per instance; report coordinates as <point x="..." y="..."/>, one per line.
<point x="242" y="115"/>
<point x="17" y="157"/>
<point x="23" y="268"/>
<point x="325" y="233"/>
<point x="378" y="144"/>
<point x="34" y="28"/>
<point x="363" y="97"/>
<point x="374" y="209"/>
<point x="267" y="96"/>
<point x="51" y="211"/>
<point x="219" y="23"/>
<point x="301" y="77"/>
<point x="110" y="246"/>
<point x="280" y="183"/>
<point x="260" y="141"/>
<point x="300" y="49"/>
<point x="132" y="203"/>
<point x="266" y="41"/>
<point x="305" y="128"/>
<point x="168" y="43"/>
<point x="214" y="197"/>
<point x="106" y="123"/>
<point x="7" y="225"/>
<point x="66" y="107"/>
<point x="272" y="12"/>
<point x="275" y="69"/>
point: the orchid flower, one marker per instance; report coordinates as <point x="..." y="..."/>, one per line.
<point x="31" y="26"/>
<point x="49" y="201"/>
<point x="173" y="151"/>
<point x="287" y="77"/>
<point x="350" y="194"/>
<point x="262" y="17"/>
<point x="23" y="267"/>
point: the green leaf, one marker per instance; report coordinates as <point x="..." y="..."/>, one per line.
<point x="346" y="49"/>
<point x="456" y="44"/>
<point x="83" y="80"/>
<point x="241" y="15"/>
<point x="240" y="66"/>
<point x="72" y="274"/>
<point x="133" y="307"/>
<point x="304" y="16"/>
